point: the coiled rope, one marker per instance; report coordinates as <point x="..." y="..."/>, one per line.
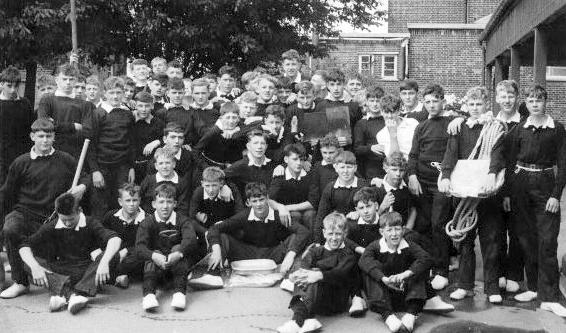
<point x="466" y="216"/>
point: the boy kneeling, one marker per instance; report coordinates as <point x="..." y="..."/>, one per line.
<point x="394" y="273"/>
<point x="325" y="281"/>
<point x="69" y="271"/>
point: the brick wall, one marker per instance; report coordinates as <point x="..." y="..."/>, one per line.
<point x="480" y="8"/>
<point x="452" y="58"/>
<point x="402" y="12"/>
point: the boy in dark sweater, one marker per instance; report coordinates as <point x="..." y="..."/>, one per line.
<point x="338" y="195"/>
<point x="148" y="131"/>
<point x="305" y="104"/>
<point x="323" y="172"/>
<point x="62" y="256"/>
<point x="226" y="89"/>
<point x="140" y="74"/>
<point x="394" y="273"/>
<point x="368" y="152"/>
<point x="157" y="84"/>
<point x="256" y="233"/>
<point x="203" y="112"/>
<point x="324" y="281"/>
<point x="278" y="136"/>
<point x="174" y="111"/>
<point x="111" y="153"/>
<point x="211" y="202"/>
<point x="125" y="222"/>
<point x="266" y="93"/>
<point x="429" y="144"/>
<point x="167" y="242"/>
<point x="33" y="182"/>
<point x="412" y="107"/>
<point x="72" y="116"/>
<point x="489" y="211"/>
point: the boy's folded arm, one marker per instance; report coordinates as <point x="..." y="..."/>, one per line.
<point x="342" y="271"/>
<point x="422" y="262"/>
<point x="301" y="237"/>
<point x="369" y="264"/>
<point x="142" y="241"/>
<point x="189" y="239"/>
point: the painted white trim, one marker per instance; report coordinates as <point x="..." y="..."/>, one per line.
<point x="395" y="66"/>
<point x="448" y="26"/>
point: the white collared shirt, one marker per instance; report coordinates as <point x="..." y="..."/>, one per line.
<point x="369" y="116"/>
<point x="80" y="224"/>
<point x="323" y="163"/>
<point x="331" y="98"/>
<point x="289" y="174"/>
<point x="33" y="155"/>
<point x="417" y="108"/>
<point x="140" y="217"/>
<point x="251" y="161"/>
<point x="405" y="132"/>
<point x="339" y="184"/>
<point x="172" y="219"/>
<point x="516" y="117"/>
<point x="329" y="249"/>
<point x="147" y="119"/>
<point x="297" y="78"/>
<point x="60" y="94"/>
<point x="388" y="187"/>
<point x="106" y="107"/>
<point x="548" y="124"/>
<point x="225" y="194"/>
<point x="171" y="105"/>
<point x="270" y="216"/>
<point x="362" y="221"/>
<point x="302" y="107"/>
<point x="178" y="154"/>
<point x="383" y="247"/>
<point x="175" y="179"/>
<point x="208" y="106"/>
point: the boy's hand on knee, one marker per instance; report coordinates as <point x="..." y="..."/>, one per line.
<point x="215" y="259"/>
<point x="287" y="262"/>
<point x="313" y="277"/>
<point x="159" y="259"/>
<point x="173" y="258"/>
<point x="102" y="274"/>
<point x="39" y="275"/>
<point x="97" y="179"/>
<point x="123" y="253"/>
<point x="414" y="185"/>
<point x="552" y="205"/>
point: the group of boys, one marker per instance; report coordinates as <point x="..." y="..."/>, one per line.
<point x="178" y="170"/>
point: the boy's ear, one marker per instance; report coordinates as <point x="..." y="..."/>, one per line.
<point x="286" y="159"/>
<point x="248" y="204"/>
<point x="153" y="204"/>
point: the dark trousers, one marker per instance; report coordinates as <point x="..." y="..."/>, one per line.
<point x="511" y="253"/>
<point x="305" y="218"/>
<point x="537" y="230"/>
<point x="488" y="229"/>
<point x="385" y="301"/>
<point x="140" y="169"/>
<point x="132" y="264"/>
<point x="19" y="225"/>
<point x="106" y="198"/>
<point x="235" y="249"/>
<point x="319" y="298"/>
<point x="78" y="277"/>
<point x="434" y="211"/>
<point x="153" y="275"/>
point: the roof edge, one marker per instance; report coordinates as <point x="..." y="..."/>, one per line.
<point x="453" y="26"/>
<point x="496" y="17"/>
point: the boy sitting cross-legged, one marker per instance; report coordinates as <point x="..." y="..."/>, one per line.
<point x="72" y="268"/>
<point x="394" y="273"/>
<point x="324" y="281"/>
<point x="166" y="241"/>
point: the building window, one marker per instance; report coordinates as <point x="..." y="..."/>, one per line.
<point x="555" y="73"/>
<point x="389" y="67"/>
<point x="365" y="66"/>
<point x="386" y="64"/>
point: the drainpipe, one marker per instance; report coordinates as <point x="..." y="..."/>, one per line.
<point x="405" y="44"/>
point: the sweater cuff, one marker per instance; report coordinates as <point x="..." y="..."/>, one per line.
<point x="376" y="274"/>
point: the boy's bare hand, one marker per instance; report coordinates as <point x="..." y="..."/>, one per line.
<point x="552" y="205"/>
<point x="287" y="262"/>
<point x="353" y="215"/>
<point x="150" y="147"/>
<point x="378" y="149"/>
<point x="294" y="124"/>
<point x="78" y="127"/>
<point x="201" y="217"/>
<point x="39" y="275"/>
<point x="388" y="201"/>
<point x="97" y="179"/>
<point x="414" y="185"/>
<point x="78" y="191"/>
<point x="102" y="274"/>
<point x="159" y="259"/>
<point x="215" y="259"/>
<point x="376" y="182"/>
<point x="454" y="126"/>
<point x="173" y="258"/>
<point x="131" y="175"/>
<point x="278" y="171"/>
<point x="306" y="166"/>
<point x="444" y="185"/>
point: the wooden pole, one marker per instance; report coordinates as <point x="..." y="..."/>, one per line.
<point x="73" y="18"/>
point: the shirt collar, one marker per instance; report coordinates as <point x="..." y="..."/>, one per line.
<point x="388" y="187"/>
<point x="174" y="180"/>
<point x="140" y="217"/>
<point x="178" y="154"/>
<point x="338" y="183"/>
<point x="383" y="247"/>
<point x="376" y="222"/>
<point x="209" y="106"/>
<point x="251" y="161"/>
<point x="368" y="116"/>
<point x="281" y="132"/>
<point x="171" y="105"/>
<point x="33" y="155"/>
<point x="80" y="224"/>
<point x="172" y="219"/>
<point x="297" y="78"/>
<point x="323" y="163"/>
<point x="331" y="98"/>
<point x="220" y="93"/>
<point x="60" y="94"/>
<point x="302" y="107"/>
<point x="515" y="118"/>
<point x="548" y="124"/>
<point x="108" y="108"/>
<point x="147" y="119"/>
<point x="417" y="108"/>
<point x="270" y="216"/>
<point x="289" y="175"/>
<point x="340" y="247"/>
<point x="225" y="194"/>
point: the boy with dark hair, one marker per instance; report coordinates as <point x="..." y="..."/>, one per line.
<point x="537" y="145"/>
<point x="305" y="104"/>
<point x="93" y="90"/>
<point x="409" y="95"/>
<point x="140" y="74"/>
<point x="129" y="90"/>
<point x="45" y="85"/>
<point x="70" y="270"/>
<point x="256" y="232"/>
<point x="33" y="182"/>
<point x="285" y="87"/>
<point x="72" y="116"/>
<point x="429" y="144"/>
<point x="368" y="152"/>
<point x="204" y="112"/>
<point x="167" y="242"/>
<point x="174" y="111"/>
<point x="323" y="172"/>
<point x="266" y="93"/>
<point x="291" y="64"/>
<point x="174" y="70"/>
<point x="212" y="80"/>
<point x="278" y="136"/>
<point x="111" y="153"/>
<point x="158" y="85"/>
<point x="394" y="273"/>
<point x="226" y="89"/>
<point x="397" y="135"/>
<point x="324" y="280"/>
<point x="338" y="195"/>
<point x="159" y="65"/>
<point x="247" y="104"/>
<point x="79" y="90"/>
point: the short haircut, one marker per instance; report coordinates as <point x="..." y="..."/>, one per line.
<point x="200" y="83"/>
<point x="175" y="84"/>
<point x="165" y="190"/>
<point x="11" y="75"/>
<point x="68" y="70"/>
<point x="173" y="127"/>
<point x="275" y="111"/>
<point x="164" y="152"/>
<point x="329" y="140"/>
<point x="42" y="125"/>
<point x="129" y="82"/>
<point x="478" y="92"/>
<point x="144" y="97"/>
<point x="536" y="91"/>
<point x="346" y="157"/>
<point x="255" y="190"/>
<point x="508" y="86"/>
<point x="390" y="104"/>
<point x="253" y="133"/>
<point x="395" y="159"/>
<point x="285" y="83"/>
<point x="93" y="80"/>
<point x="174" y="64"/>
<point x="335" y="75"/>
<point x="66" y="204"/>
<point x="81" y="79"/>
<point x="354" y="76"/>
<point x="365" y="195"/>
<point x="162" y="78"/>
<point x="260" y="69"/>
<point x="43" y="80"/>
<point x="375" y="92"/>
<point x="213" y="174"/>
<point x="229" y="107"/>
<point x="248" y="97"/>
<point x="229" y="70"/>
<point x="435" y="90"/>
<point x="295" y="148"/>
<point x="248" y="77"/>
<point x="290" y="55"/>
<point x="335" y="221"/>
<point x="304" y="87"/>
<point x="138" y="62"/>
<point x="114" y="82"/>
<point x="157" y="60"/>
<point x="409" y="84"/>
<point x="266" y="77"/>
<point x="322" y="73"/>
<point x="390" y="219"/>
<point x="130" y="188"/>
<point x="210" y="76"/>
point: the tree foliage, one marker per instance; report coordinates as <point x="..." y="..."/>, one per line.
<point x="203" y="34"/>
